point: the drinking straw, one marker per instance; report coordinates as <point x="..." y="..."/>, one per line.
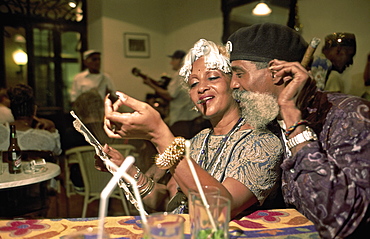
<point x="117" y="174"/>
<point x="133" y="183"/>
<point x="107" y="191"/>
<point x="199" y="186"/>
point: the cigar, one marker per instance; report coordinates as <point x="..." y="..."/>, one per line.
<point x="113" y="97"/>
<point x="310" y="51"/>
<point x="204" y="100"/>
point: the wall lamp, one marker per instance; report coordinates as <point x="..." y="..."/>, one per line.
<point x="20" y="58"/>
<point x="261" y="9"/>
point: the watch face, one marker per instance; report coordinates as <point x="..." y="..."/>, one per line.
<point x="313" y="134"/>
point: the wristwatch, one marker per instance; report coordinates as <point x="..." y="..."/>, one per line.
<point x="307" y="135"/>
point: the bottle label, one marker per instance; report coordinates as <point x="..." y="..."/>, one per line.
<point x="16" y="159"/>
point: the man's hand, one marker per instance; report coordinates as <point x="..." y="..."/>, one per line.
<point x="41" y="123"/>
<point x="294" y="76"/>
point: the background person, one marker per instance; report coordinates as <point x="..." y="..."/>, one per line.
<point x="326" y="170"/>
<point x="238" y="154"/>
<point x="337" y="54"/>
<point x="33" y="133"/>
<point x="92" y="77"/>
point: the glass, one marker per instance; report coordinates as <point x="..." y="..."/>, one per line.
<point x="31" y="167"/>
<point x="202" y="227"/>
<point x="194" y="195"/>
<point x="165" y="226"/>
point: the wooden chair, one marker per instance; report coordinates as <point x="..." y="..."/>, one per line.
<point x="93" y="179"/>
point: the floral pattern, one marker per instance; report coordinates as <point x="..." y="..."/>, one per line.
<point x="320" y="69"/>
<point x="287" y="223"/>
<point x="24" y="227"/>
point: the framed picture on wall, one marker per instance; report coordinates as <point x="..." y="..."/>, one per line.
<point x="136" y="45"/>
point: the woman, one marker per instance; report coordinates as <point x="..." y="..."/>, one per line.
<point x="33" y="133"/>
<point x="237" y="155"/>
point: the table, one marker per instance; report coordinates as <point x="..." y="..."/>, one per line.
<point x="8" y="180"/>
<point x="277" y="223"/>
<point x="23" y="194"/>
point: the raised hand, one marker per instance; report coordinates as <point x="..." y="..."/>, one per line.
<point x="143" y="123"/>
<point x="294" y="76"/>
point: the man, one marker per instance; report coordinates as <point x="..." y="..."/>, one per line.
<point x="91" y="77"/>
<point x="337" y="55"/>
<point x="326" y="171"/>
<point x="183" y="121"/>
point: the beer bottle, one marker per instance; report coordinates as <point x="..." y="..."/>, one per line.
<point x="14" y="153"/>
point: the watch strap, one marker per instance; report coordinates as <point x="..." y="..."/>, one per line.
<point x="307" y="135"/>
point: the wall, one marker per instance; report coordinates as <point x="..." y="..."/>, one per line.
<point x="320" y="18"/>
<point x="176" y="25"/>
<point x="169" y="26"/>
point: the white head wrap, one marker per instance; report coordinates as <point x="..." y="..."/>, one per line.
<point x="213" y="59"/>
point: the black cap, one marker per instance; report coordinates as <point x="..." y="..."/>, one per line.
<point x="265" y="42"/>
<point x="340" y="39"/>
<point x="179" y="54"/>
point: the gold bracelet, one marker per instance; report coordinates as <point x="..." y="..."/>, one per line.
<point x="172" y="155"/>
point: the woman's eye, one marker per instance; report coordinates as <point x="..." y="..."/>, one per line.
<point x="193" y="84"/>
<point x="213" y="77"/>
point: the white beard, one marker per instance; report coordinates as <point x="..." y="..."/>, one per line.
<point x="257" y="108"/>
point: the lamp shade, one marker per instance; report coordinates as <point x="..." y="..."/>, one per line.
<point x="20" y="57"/>
<point x="261" y="9"/>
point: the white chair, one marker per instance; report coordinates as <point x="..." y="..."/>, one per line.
<point x="93" y="179"/>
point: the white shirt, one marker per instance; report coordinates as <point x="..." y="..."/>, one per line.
<point x="85" y="81"/>
<point x="31" y="139"/>
<point x="181" y="104"/>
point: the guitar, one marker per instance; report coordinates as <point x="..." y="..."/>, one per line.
<point x="163" y="82"/>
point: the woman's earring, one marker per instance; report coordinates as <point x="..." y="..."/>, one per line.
<point x="237" y="101"/>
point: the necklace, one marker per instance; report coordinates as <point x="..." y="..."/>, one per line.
<point x="216" y="159"/>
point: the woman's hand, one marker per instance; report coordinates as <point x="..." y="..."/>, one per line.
<point x="144" y="123"/>
<point x="115" y="156"/>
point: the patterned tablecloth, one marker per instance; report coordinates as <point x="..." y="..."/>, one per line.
<point x="278" y="223"/>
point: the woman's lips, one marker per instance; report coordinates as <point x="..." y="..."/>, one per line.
<point x="201" y="101"/>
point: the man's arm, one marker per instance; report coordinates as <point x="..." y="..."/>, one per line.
<point x="159" y="90"/>
<point x="328" y="179"/>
